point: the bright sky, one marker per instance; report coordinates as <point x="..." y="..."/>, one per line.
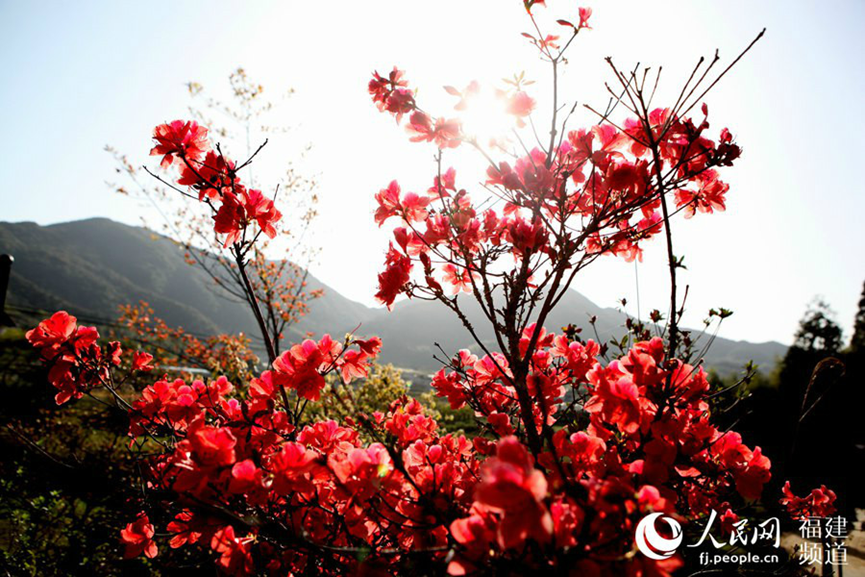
<point x="78" y="76"/>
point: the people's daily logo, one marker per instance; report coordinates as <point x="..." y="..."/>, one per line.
<point x="652" y="544"/>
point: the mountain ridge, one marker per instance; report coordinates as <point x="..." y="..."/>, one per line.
<point x="92" y="266"/>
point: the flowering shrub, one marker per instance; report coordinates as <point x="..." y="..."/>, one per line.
<point x="228" y="355"/>
<point x="78" y="364"/>
<point x="280" y="286"/>
<point x="575" y="449"/>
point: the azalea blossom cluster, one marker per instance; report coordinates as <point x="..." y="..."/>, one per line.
<point x="597" y="191"/>
<point x="218" y="445"/>
<point x="77" y="363"/>
<point x="586" y="192"/>
<point x="266" y="492"/>
<point x="205" y="169"/>
<point x="650" y="445"/>
<point x="819" y="503"/>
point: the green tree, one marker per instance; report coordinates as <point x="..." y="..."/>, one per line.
<point x="376" y="392"/>
<point x="818" y="332"/>
<point x="857" y="341"/>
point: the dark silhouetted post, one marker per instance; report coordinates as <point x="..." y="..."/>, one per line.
<point x="6" y="261"/>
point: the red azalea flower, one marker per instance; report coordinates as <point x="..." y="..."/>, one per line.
<point x="180" y="139"/>
<point x="819" y="503"/>
<point x="52" y="332"/>
<point x="299" y="367"/>
<point x="394" y="278"/>
<point x="138" y="538"/>
<point x="585" y="14"/>
<point x="208" y="176"/>
<point x="445" y="133"/>
<point x="235" y="557"/>
<point x="213" y="447"/>
<point x="520" y="104"/>
<point x="388" y="202"/>
<point x="510" y="484"/>
<point x="141" y="361"/>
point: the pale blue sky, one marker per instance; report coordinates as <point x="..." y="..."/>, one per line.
<point x="81" y="75"/>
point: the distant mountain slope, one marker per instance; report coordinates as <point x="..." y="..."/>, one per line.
<point x="91" y="267"/>
<point x="415" y="348"/>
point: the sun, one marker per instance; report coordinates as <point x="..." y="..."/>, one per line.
<point x="485" y="118"/>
